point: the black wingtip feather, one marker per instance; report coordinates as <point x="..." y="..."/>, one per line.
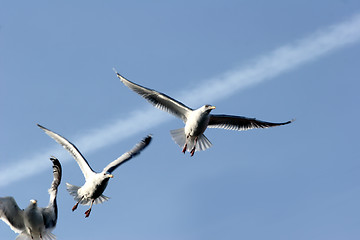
<point x="148" y="139"/>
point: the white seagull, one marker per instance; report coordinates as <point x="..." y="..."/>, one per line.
<point x="95" y="183"/>
<point x="33" y="222"/>
<point x="191" y="137"/>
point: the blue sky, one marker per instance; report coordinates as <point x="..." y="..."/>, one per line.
<point x="298" y="181"/>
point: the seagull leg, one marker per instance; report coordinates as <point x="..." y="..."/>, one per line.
<point x="87" y="213"/>
<point x="184" y="149"/>
<point x="193" y="149"/>
<point x="76" y="205"/>
<point x="185" y="146"/>
<point x="192" y="152"/>
<point x="30" y="233"/>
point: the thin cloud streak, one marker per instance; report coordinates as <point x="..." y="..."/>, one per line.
<point x="264" y="68"/>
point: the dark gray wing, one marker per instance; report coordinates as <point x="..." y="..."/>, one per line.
<point x="57" y="172"/>
<point x="128" y="155"/>
<point x="50" y="213"/>
<point x="71" y="148"/>
<point x="239" y="123"/>
<point x="159" y="100"/>
<point x="11" y="214"/>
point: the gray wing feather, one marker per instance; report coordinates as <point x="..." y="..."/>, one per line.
<point x="71" y="148"/>
<point x="50" y="213"/>
<point x="128" y="155"/>
<point x="240" y="123"/>
<point x="11" y="214"/>
<point x="159" y="100"/>
<point x="57" y="172"/>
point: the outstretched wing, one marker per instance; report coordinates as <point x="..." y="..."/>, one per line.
<point x="57" y="172"/>
<point x="128" y="155"/>
<point x="50" y="213"/>
<point x="11" y="214"/>
<point x="159" y="100"/>
<point x="71" y="148"/>
<point x="239" y="123"/>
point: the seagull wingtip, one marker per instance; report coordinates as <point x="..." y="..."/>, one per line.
<point x="148" y="138"/>
<point x="115" y="70"/>
<point x="118" y="74"/>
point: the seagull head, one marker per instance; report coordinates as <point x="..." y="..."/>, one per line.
<point x="33" y="202"/>
<point x="108" y="175"/>
<point x="207" y="108"/>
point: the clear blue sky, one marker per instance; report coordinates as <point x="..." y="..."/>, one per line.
<point x="297" y="182"/>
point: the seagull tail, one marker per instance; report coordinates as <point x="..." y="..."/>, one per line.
<point x="23" y="236"/>
<point x="48" y="236"/>
<point x="202" y="143"/>
<point x="101" y="199"/>
<point x="73" y="190"/>
<point x="178" y="135"/>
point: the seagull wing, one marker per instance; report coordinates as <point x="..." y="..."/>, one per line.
<point x="71" y="148"/>
<point x="57" y="172"/>
<point x="159" y="100"/>
<point x="128" y="155"/>
<point x="11" y="214"/>
<point x="239" y="123"/>
<point x="50" y="213"/>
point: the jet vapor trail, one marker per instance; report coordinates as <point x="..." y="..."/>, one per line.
<point x="264" y="68"/>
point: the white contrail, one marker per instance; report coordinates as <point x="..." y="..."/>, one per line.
<point x="266" y="67"/>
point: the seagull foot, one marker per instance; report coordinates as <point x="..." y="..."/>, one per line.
<point x="75" y="206"/>
<point x="184" y="149"/>
<point x="192" y="152"/>
<point x="87" y="213"/>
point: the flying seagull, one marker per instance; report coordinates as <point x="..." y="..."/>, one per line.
<point x="95" y="183"/>
<point x="33" y="222"/>
<point x="191" y="137"/>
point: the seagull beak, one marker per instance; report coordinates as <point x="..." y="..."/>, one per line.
<point x="33" y="201"/>
<point x="212" y="107"/>
<point x="111" y="176"/>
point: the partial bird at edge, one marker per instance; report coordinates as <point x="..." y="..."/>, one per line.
<point x="33" y="222"/>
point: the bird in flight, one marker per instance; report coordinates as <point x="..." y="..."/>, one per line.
<point x="95" y="183"/>
<point x="33" y="222"/>
<point x="191" y="138"/>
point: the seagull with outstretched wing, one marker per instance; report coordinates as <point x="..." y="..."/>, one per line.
<point x="191" y="138"/>
<point x="95" y="183"/>
<point x="33" y="222"/>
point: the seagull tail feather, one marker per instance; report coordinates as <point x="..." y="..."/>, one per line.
<point x="178" y="135"/>
<point x="202" y="143"/>
<point x="48" y="236"/>
<point x="73" y="190"/>
<point x="23" y="236"/>
<point x="101" y="199"/>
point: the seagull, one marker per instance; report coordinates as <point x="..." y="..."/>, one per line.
<point x="191" y="138"/>
<point x="95" y="183"/>
<point x="33" y="222"/>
